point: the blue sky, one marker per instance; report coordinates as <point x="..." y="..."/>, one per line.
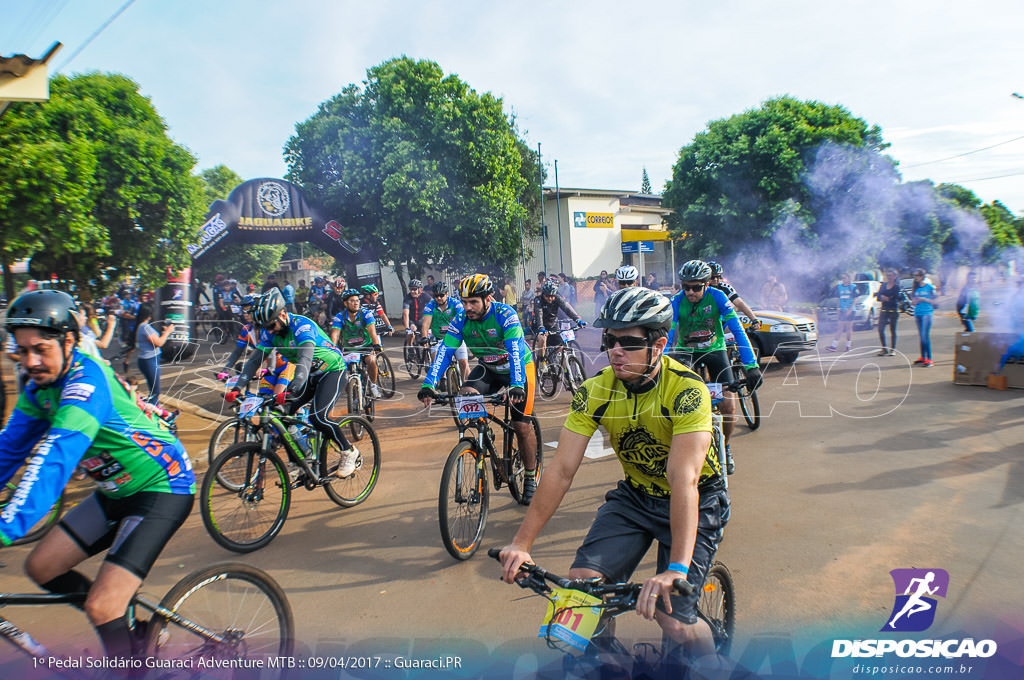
<point x="606" y="87"/>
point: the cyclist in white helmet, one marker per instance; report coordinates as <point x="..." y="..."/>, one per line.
<point x="627" y="276"/>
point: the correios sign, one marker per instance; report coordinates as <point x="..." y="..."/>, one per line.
<point x="269" y="210"/>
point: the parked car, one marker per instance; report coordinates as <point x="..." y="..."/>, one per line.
<point x="866" y="306"/>
<point x="782" y="335"/>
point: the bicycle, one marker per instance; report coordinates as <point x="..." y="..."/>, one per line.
<point x="749" y="404"/>
<point x="42" y="526"/>
<point x="246" y="493"/>
<point x="580" y="609"/>
<point x="357" y="392"/>
<point x="224" y="612"/>
<point x="561" y="364"/>
<point x="464" y="494"/>
<point x="415" y="355"/>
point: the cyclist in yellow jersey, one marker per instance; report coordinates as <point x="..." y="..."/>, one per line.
<point x="658" y="415"/>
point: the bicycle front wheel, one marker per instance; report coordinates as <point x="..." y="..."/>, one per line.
<point x="249" y="511"/>
<point x="547" y="377"/>
<point x="574" y="374"/>
<point x="453" y="383"/>
<point x="411" y="354"/>
<point x="385" y="376"/>
<point x="354" y="394"/>
<point x="717" y="606"/>
<point x="514" y="465"/>
<point x="462" y="501"/>
<point x="228" y="433"/>
<point x="750" y="407"/>
<point x="240" y="604"/>
<point x="355" y="487"/>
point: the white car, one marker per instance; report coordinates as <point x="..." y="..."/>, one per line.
<point x="866" y="307"/>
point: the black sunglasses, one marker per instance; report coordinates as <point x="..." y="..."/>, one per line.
<point x="693" y="289"/>
<point x="629" y="343"/>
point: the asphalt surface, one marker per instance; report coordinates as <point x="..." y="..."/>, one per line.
<point x="863" y="464"/>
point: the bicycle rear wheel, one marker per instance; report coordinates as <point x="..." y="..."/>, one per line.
<point x="413" y="362"/>
<point x="385" y="376"/>
<point x="248" y="512"/>
<point x="514" y="466"/>
<point x="357" y="486"/>
<point x="354" y="394"/>
<point x="463" y="500"/>
<point x="750" y="407"/>
<point x="41" y="527"/>
<point x="228" y="433"/>
<point x="239" y="603"/>
<point x="717" y="606"/>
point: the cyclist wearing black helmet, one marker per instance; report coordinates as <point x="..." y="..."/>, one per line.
<point x="719" y="282"/>
<point x="75" y="411"/>
<point x="698" y="338"/>
<point x="319" y="368"/>
<point x="493" y="334"/>
<point x="657" y="414"/>
<point x="438" y="315"/>
<point x="546" y="307"/>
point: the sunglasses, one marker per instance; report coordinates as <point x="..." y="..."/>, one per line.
<point x="629" y="343"/>
<point x="693" y="289"/>
<point x="441" y="296"/>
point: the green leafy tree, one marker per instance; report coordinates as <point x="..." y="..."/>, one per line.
<point x="1004" y="230"/>
<point x="645" y="183"/>
<point x="419" y="166"/>
<point x="124" y="201"/>
<point x="743" y="178"/>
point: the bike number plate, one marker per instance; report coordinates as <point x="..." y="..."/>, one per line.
<point x="470" y="407"/>
<point x="352" y="357"/>
<point x="575" y="617"/>
<point x="568" y="336"/>
<point x="729" y="338"/>
<point x="717" y="394"/>
<point x="235" y="309"/>
<point x="232" y="381"/>
<point x="250" y="407"/>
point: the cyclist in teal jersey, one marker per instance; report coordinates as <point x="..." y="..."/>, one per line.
<point x="697" y="338"/>
<point x="319" y="368"/>
<point x="353" y="329"/>
<point x="493" y="334"/>
<point x="438" y="315"/>
<point x="74" y="411"/>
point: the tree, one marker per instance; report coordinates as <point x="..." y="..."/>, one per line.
<point x="645" y="183"/>
<point x="122" y="197"/>
<point x="419" y="166"/>
<point x="1004" y="230"/>
<point x="742" y="179"/>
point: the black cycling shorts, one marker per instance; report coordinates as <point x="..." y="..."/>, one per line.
<point x="719" y="368"/>
<point x="135" y="529"/>
<point x="486" y="381"/>
<point x="631" y="519"/>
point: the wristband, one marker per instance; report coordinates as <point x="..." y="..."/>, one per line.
<point x="676" y="566"/>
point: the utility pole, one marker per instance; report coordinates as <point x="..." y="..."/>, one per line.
<point x="558" y="213"/>
<point x="543" y="223"/>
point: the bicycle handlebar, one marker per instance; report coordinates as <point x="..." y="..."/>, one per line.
<point x="443" y="398"/>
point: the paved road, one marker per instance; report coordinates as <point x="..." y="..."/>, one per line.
<point x="863" y="465"/>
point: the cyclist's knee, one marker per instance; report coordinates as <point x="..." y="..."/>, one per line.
<point x="584" y="572"/>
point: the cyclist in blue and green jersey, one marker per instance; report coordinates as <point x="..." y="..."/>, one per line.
<point x="319" y="368"/>
<point x="354" y="329"/>
<point x="697" y="338"/>
<point x="75" y="411"/>
<point x="438" y="315"/>
<point x="493" y="334"/>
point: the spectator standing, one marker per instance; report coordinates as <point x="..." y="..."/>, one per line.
<point x="773" y="294"/>
<point x="526" y="304"/>
<point x="923" y="298"/>
<point x="889" y="295"/>
<point x="271" y="282"/>
<point x="149" y="343"/>
<point x="652" y="281"/>
<point x="302" y="296"/>
<point x="846" y="292"/>
<point x="511" y="294"/>
<point x="967" y="302"/>
<point x="603" y="287"/>
<point x="288" y="291"/>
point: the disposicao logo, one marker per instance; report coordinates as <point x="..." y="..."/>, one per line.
<point x="913" y="611"/>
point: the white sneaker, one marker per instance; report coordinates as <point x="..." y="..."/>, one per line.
<point x="375" y="391"/>
<point x="348" y="462"/>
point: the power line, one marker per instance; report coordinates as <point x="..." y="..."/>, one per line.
<point x="94" y="35"/>
<point x="960" y="155"/>
<point x="982" y="179"/>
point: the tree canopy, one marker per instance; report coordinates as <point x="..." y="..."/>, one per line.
<point x="91" y="183"/>
<point x="420" y="167"/>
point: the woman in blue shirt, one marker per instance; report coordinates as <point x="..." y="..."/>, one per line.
<point x="924" y="301"/>
<point x="149" y="342"/>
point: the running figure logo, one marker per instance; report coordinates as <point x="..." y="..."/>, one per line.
<point x="916" y="590"/>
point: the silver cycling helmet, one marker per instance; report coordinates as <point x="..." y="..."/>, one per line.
<point x="267" y="308"/>
<point x="627" y="273"/>
<point x="632" y="307"/>
<point x="695" y="270"/>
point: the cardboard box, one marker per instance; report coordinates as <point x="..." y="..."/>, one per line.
<point x="977" y="356"/>
<point x="998" y="382"/>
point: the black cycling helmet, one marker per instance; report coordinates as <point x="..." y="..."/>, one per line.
<point x="549" y="288"/>
<point x="632" y="307"/>
<point x="695" y="270"/>
<point x="476" y="285"/>
<point x="415" y="283"/>
<point x="248" y="301"/>
<point x="441" y="288"/>
<point x="268" y="307"/>
<point x="52" y="310"/>
<point x="716" y="269"/>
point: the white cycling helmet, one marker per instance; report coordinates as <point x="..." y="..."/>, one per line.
<point x="627" y="273"/>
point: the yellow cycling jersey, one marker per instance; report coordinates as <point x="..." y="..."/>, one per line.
<point x="641" y="425"/>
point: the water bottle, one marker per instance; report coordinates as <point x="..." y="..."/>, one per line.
<point x="300" y="438"/>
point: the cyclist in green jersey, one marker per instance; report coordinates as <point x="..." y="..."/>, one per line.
<point x="354" y="328"/>
<point x="319" y="368"/>
<point x="75" y="411"/>
<point x="438" y="316"/>
<point x="657" y="414"/>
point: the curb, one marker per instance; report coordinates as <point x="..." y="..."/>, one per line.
<point x="188" y="407"/>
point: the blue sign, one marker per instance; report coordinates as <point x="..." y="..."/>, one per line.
<point x="637" y="247"/>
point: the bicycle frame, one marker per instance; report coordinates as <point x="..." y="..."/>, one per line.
<point x="271" y="424"/>
<point x="484" y="437"/>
